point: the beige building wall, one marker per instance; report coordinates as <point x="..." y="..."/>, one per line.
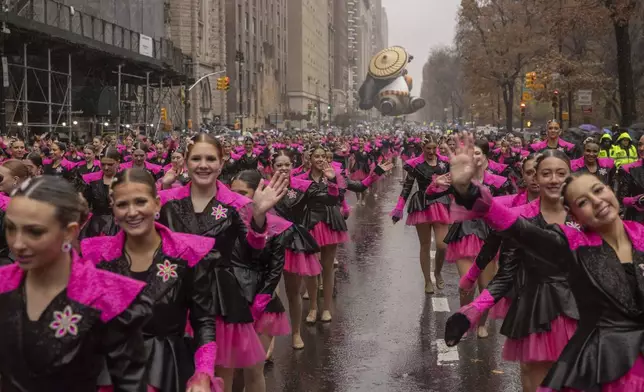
<point x="197" y="27"/>
<point x="384" y="28"/>
<point x="258" y="29"/>
<point x="308" y="60"/>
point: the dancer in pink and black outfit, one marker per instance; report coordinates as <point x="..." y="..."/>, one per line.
<point x="61" y="318"/>
<point x="465" y="239"/>
<point x="425" y="213"/>
<point x="207" y="207"/>
<point x="177" y="269"/>
<point x="603" y="257"/>
<point x="543" y="315"/>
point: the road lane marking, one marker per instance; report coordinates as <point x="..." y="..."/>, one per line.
<point x="440" y="304"/>
<point x="446" y="355"/>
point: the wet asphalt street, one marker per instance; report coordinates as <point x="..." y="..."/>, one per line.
<point x="386" y="335"/>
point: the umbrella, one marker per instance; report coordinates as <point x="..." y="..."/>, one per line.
<point x="589" y="128"/>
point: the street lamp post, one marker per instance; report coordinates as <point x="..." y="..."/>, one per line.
<point x="239" y="58"/>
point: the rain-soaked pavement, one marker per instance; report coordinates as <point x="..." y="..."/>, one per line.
<point x="386" y="334"/>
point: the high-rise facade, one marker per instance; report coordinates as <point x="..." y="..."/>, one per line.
<point x="198" y="28"/>
<point x="361" y="46"/>
<point x="308" y="59"/>
<point x="384" y="28"/>
<point x="258" y="29"/>
<point x="340" y="81"/>
<point x="376" y="25"/>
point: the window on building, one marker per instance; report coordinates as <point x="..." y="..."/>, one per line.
<point x="246" y="21"/>
<point x="254" y="27"/>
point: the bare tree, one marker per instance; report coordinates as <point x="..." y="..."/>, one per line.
<point x="497" y="40"/>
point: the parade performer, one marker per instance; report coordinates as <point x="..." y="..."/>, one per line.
<point x="465" y="239"/>
<point x="603" y="168"/>
<point x="258" y="273"/>
<point x="62" y="318"/>
<point x="554" y="141"/>
<point x="604" y="258"/>
<point x="207" y="207"/>
<point x="97" y="195"/>
<point x="139" y="159"/>
<point x="176" y="268"/>
<point x="543" y="313"/>
<point x="176" y="173"/>
<point x="425" y="213"/>
<point x="90" y="165"/>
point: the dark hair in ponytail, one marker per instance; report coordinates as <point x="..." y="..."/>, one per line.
<point x="58" y="193"/>
<point x="551" y="153"/>
<point x="251" y="177"/>
<point x="138" y="176"/>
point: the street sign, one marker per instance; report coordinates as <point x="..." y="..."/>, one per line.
<point x="587" y="109"/>
<point x="526" y="96"/>
<point x="584" y="97"/>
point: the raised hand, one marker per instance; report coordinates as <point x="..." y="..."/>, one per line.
<point x="386" y="166"/>
<point x="328" y="171"/>
<point x="169" y="178"/>
<point x="266" y="196"/>
<point x="443" y="181"/>
<point x="461" y="162"/>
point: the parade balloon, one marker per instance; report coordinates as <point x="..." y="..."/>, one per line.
<point x="388" y="86"/>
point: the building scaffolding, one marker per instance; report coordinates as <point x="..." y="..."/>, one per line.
<point x="55" y="94"/>
<point x="69" y="73"/>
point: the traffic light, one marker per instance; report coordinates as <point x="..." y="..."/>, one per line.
<point x="329" y="109"/>
<point x="555" y="99"/>
<point x="522" y="105"/>
<point x="530" y="80"/>
<point x="226" y="83"/>
<point x="164" y="115"/>
<point x="220" y="83"/>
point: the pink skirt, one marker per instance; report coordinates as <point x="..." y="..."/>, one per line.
<point x="358" y="175"/>
<point x="302" y="264"/>
<point x="500" y="310"/>
<point x="543" y="346"/>
<point x="467" y="247"/>
<point x="324" y="235"/>
<point x="273" y="324"/>
<point x="633" y="381"/>
<point x="238" y="345"/>
<point x="434" y="213"/>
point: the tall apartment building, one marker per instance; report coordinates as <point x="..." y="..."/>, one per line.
<point x="259" y="30"/>
<point x="376" y="24"/>
<point x="353" y="11"/>
<point x="198" y="28"/>
<point x="308" y="58"/>
<point x="340" y="82"/>
<point x="384" y="28"/>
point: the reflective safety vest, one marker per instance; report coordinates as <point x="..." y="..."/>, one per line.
<point x="623" y="156"/>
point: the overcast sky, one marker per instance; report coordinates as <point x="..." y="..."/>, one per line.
<point x="419" y="25"/>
